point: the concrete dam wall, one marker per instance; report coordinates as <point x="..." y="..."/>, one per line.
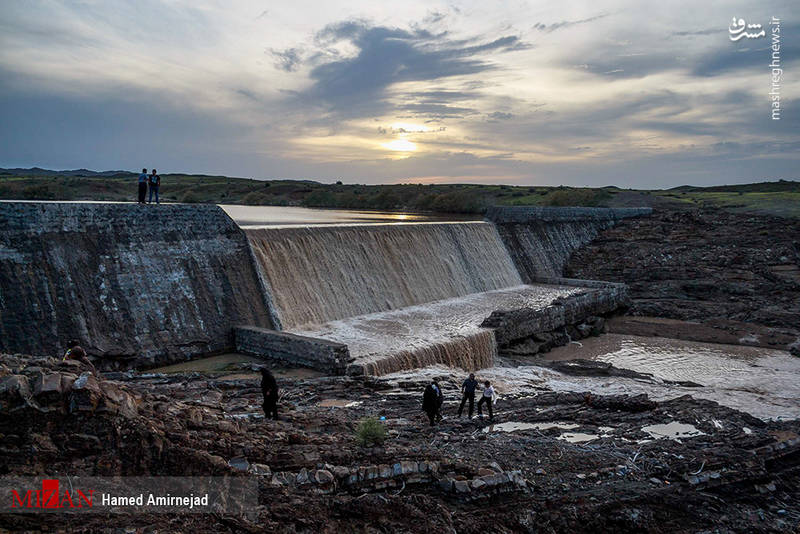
<point x="137" y="285"/>
<point x="323" y="273"/>
<point x="141" y="286"/>
<point x="541" y="240"/>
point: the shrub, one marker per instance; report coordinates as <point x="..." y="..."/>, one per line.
<point x="190" y="197"/>
<point x="577" y="197"/>
<point x="253" y="198"/>
<point x="370" y="431"/>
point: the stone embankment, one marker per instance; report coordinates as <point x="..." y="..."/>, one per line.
<point x="315" y="353"/>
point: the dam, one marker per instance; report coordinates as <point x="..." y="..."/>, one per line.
<point x="354" y="298"/>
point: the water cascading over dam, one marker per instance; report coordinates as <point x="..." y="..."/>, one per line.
<point x="324" y="273"/>
<point x="399" y="296"/>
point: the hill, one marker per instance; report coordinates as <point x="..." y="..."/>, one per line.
<point x="778" y="198"/>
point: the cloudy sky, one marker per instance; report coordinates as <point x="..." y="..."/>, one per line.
<point x="631" y="93"/>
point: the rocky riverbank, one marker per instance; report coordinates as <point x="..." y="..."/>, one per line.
<point x="551" y="462"/>
<point x="737" y="275"/>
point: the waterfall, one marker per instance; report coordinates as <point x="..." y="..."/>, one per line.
<point x="470" y="352"/>
<point x="324" y="273"/>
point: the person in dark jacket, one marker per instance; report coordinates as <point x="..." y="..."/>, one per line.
<point x="432" y="401"/>
<point x="270" y="390"/>
<point x="468" y="393"/>
<point x="142" y="186"/>
<point x="76" y="352"/>
<point x="155" y="183"/>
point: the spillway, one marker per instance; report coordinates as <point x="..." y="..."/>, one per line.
<point x="323" y="273"/>
<point x="446" y="331"/>
<point x="399" y="296"/>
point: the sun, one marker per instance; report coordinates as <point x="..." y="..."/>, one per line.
<point x="400" y="145"/>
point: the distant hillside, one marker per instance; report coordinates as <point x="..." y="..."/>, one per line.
<point x="760" y="187"/>
<point x="780" y="198"/>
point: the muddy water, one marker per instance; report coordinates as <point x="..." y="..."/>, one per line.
<point x="446" y="331"/>
<point x="760" y="381"/>
<point x="230" y="366"/>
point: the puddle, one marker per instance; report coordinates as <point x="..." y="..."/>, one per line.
<point x="231" y="367"/>
<point x="578" y="437"/>
<point x="512" y="426"/>
<point x="338" y="403"/>
<point x="572" y="437"/>
<point x="672" y="430"/>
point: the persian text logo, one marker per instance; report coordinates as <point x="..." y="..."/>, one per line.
<point x="50" y="497"/>
<point x="737" y="29"/>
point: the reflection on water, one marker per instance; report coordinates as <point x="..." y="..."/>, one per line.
<point x="513" y="426"/>
<point x="572" y="437"/>
<point x="266" y="216"/>
<point x="673" y="430"/>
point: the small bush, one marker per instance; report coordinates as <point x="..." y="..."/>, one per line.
<point x="370" y="431"/>
<point x="190" y="198"/>
<point x="254" y="198"/>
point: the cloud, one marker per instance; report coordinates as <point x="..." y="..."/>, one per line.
<point x="549" y="28"/>
<point x="358" y="84"/>
<point x="287" y="60"/>
<point x="500" y="116"/>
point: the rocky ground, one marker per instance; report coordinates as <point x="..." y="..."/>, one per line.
<point x="739" y="475"/>
<point x="736" y="274"/>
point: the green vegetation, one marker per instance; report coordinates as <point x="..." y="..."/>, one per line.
<point x="370" y="432"/>
<point x="779" y="198"/>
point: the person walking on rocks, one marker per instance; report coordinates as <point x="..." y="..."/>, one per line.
<point x="468" y="393"/>
<point x="487" y="397"/>
<point x="432" y="401"/>
<point x="155" y="183"/>
<point x="143" y="186"/>
<point x="269" y="387"/>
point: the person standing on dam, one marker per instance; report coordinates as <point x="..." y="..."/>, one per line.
<point x="488" y="398"/>
<point x="155" y="183"/>
<point x="468" y="393"/>
<point x="269" y="387"/>
<point x="143" y="186"/>
<point x="432" y="400"/>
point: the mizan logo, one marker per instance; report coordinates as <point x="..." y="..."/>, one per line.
<point x="50" y="497"/>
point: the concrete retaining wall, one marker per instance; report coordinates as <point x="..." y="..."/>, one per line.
<point x="600" y="298"/>
<point x="524" y="214"/>
<point x="315" y="353"/>
<point x="138" y="285"/>
<point x="541" y="240"/>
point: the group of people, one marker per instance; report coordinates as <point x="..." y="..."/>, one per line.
<point x="151" y="182"/>
<point x="433" y="399"/>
